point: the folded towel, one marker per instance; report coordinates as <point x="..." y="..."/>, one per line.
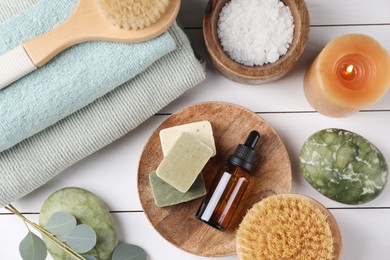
<point x="36" y="160"/>
<point x="71" y="80"/>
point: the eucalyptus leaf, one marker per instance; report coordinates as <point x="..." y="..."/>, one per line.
<point x="60" y="224"/>
<point x="87" y="209"/>
<point x="128" y="252"/>
<point x="32" y="247"/>
<point x="89" y="257"/>
<point x="81" y="238"/>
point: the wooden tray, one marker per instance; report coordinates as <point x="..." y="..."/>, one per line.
<point x="231" y="124"/>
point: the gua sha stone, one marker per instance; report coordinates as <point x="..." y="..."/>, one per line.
<point x="343" y="166"/>
<point x="87" y="209"/>
<point x="166" y="195"/>
<point x="184" y="162"/>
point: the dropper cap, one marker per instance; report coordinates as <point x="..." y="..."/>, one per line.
<point x="245" y="155"/>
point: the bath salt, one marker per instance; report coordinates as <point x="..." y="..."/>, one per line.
<point x="255" y="32"/>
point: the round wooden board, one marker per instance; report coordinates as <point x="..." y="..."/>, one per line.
<point x="231" y="124"/>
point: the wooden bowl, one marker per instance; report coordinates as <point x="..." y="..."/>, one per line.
<point x="257" y="74"/>
<point x="231" y="125"/>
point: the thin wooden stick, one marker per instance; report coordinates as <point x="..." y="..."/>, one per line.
<point x="47" y="234"/>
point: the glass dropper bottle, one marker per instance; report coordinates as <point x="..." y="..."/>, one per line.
<point x="229" y="185"/>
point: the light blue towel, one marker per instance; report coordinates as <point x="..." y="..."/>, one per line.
<point x="71" y="80"/>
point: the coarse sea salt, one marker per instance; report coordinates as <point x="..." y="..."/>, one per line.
<point x="255" y="32"/>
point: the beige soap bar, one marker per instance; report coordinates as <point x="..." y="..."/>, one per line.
<point x="184" y="162"/>
<point x="202" y="130"/>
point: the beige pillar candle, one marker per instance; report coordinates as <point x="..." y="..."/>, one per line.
<point x="351" y="73"/>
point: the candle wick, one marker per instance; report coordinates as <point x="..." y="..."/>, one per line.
<point x="349" y="69"/>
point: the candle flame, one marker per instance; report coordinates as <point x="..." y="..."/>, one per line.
<point x="349" y="69"/>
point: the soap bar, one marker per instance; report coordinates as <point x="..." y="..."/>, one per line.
<point x="184" y="162"/>
<point x="201" y="130"/>
<point x="165" y="195"/>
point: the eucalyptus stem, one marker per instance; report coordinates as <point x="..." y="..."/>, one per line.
<point x="47" y="234"/>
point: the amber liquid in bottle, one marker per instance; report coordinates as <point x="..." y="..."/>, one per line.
<point x="217" y="208"/>
<point x="228" y="186"/>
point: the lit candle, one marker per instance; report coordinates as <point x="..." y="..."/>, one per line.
<point x="351" y="73"/>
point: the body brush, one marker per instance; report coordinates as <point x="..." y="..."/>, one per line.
<point x="288" y="226"/>
<point x="127" y="21"/>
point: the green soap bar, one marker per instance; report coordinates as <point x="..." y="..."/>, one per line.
<point x="184" y="162"/>
<point x="165" y="195"/>
<point x="343" y="166"/>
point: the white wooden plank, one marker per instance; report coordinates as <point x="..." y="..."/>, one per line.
<point x="365" y="235"/>
<point x="12" y="231"/>
<point x="348" y="12"/>
<point x="330" y="12"/>
<point x="132" y="228"/>
<point x="136" y="229"/>
<point x="282" y="95"/>
<point x="111" y="172"/>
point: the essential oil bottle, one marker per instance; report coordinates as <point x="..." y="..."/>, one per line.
<point x="229" y="185"/>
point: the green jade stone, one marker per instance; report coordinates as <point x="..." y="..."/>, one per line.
<point x="343" y="166"/>
<point x="166" y="195"/>
<point x="87" y="209"/>
<point x="184" y="162"/>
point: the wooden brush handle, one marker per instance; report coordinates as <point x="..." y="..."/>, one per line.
<point x="43" y="48"/>
<point x="38" y="51"/>
<point x="76" y="29"/>
<point x="85" y="24"/>
<point x="88" y="24"/>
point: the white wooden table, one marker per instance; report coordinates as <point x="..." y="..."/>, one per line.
<point x="112" y="172"/>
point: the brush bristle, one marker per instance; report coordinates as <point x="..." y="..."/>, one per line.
<point x="283" y="227"/>
<point x="133" y="14"/>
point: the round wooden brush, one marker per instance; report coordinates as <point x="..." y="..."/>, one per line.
<point x="128" y="21"/>
<point x="288" y="226"/>
<point x="133" y="14"/>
